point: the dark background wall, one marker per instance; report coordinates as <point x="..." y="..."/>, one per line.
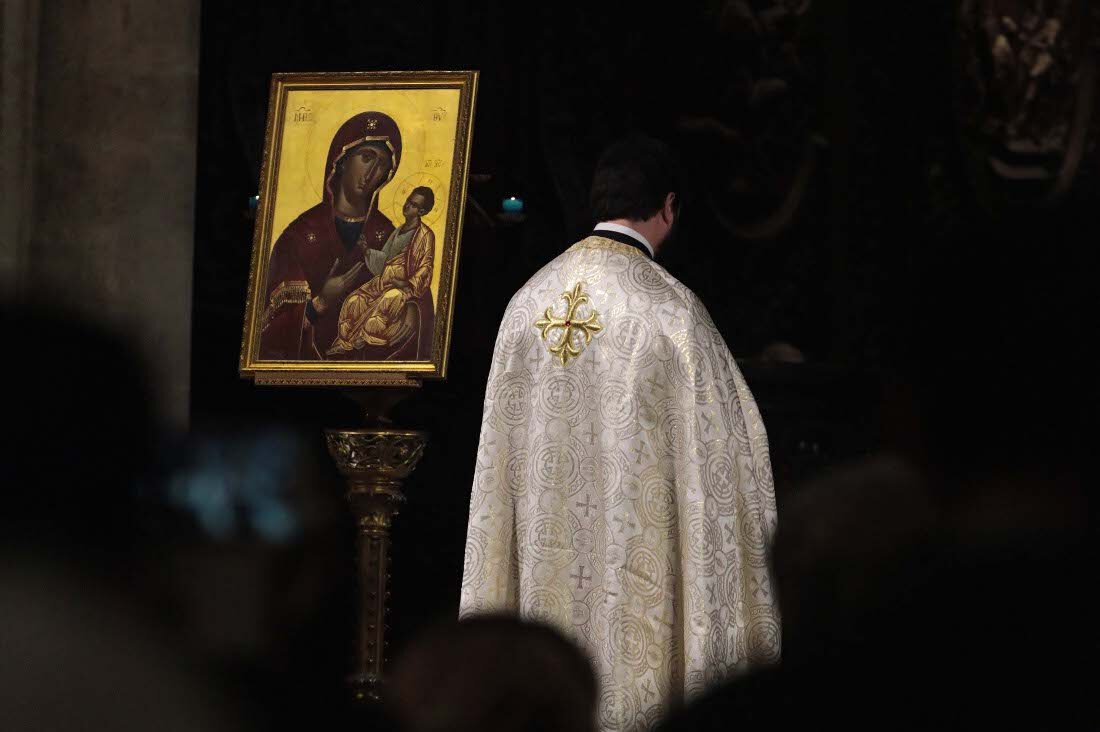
<point x="832" y="207"/>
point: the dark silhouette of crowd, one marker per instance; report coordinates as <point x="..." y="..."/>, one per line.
<point x="85" y="640"/>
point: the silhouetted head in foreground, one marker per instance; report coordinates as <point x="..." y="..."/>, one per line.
<point x="489" y="673"/>
<point x="854" y="557"/>
<point x="84" y="436"/>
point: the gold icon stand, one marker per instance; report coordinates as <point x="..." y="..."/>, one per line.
<point x="374" y="460"/>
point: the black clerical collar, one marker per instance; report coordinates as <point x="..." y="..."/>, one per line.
<point x="622" y="239"/>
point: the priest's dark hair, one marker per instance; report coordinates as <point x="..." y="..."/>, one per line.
<point x="632" y="179"/>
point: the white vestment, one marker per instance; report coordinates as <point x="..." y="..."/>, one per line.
<point x="624" y="496"/>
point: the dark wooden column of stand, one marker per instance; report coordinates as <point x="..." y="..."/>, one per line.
<point x="375" y="460"/>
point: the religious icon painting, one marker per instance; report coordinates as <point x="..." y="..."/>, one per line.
<point x="356" y="244"/>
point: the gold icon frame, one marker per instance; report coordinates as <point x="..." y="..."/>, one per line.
<point x="301" y="108"/>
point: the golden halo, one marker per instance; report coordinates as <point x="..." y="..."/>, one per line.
<point x="399" y="193"/>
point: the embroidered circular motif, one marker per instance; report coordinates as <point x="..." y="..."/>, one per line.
<point x="617" y="707"/>
<point x="761" y="466"/>
<point x="630" y="637"/>
<point x="486" y="480"/>
<point x="753" y="539"/>
<point x="763" y="640"/>
<point x="629" y="337"/>
<point x="513" y="403"/>
<point x="644" y="574"/>
<point x="516" y="472"/>
<point x="643" y="275"/>
<point x="690" y="368"/>
<point x="557" y="466"/>
<point x="734" y="418"/>
<point x="618" y="410"/>
<point x="562" y="396"/>
<point x="721" y="477"/>
<point x="548" y="536"/>
<point x="715" y="648"/>
<point x="673" y="428"/>
<point x="543" y="603"/>
<point x="702" y="540"/>
<point x="517" y="437"/>
<point x="632" y="487"/>
<point x="584" y="541"/>
<point x="657" y="506"/>
<point x="516" y="335"/>
<point x="732" y="589"/>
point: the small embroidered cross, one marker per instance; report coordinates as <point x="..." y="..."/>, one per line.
<point x="565" y="349"/>
<point x="372" y="123"/>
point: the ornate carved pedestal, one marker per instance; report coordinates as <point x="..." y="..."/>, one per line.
<point x="374" y="461"/>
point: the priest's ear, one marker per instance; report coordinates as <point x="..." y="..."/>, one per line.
<point x="670" y="211"/>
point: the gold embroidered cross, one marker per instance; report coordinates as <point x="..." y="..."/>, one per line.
<point x="565" y="349"/>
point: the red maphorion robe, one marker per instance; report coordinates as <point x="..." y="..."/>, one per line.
<point x="304" y="254"/>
